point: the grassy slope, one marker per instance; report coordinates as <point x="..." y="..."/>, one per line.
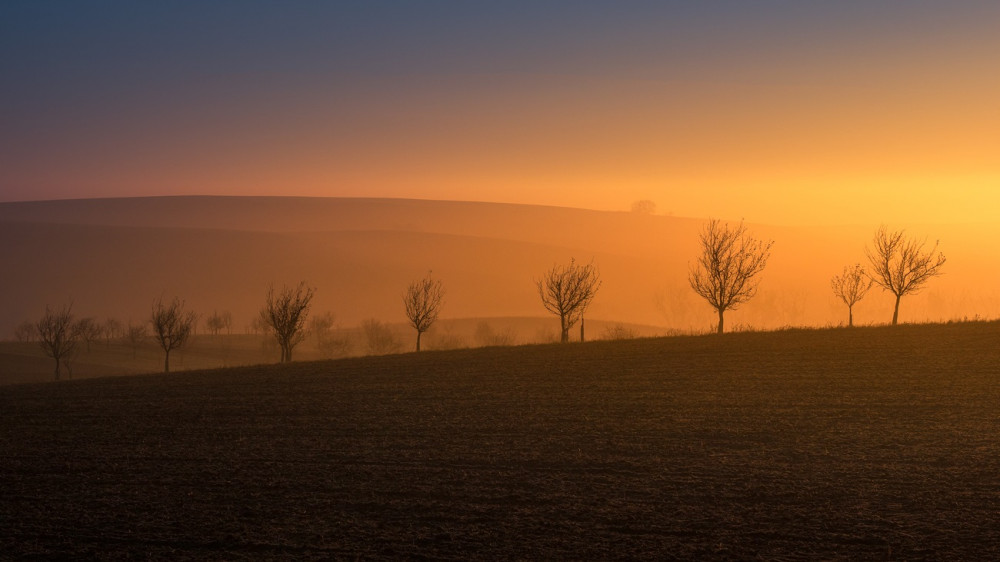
<point x="864" y="443"/>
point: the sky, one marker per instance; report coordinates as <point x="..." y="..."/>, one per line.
<point x="780" y="112"/>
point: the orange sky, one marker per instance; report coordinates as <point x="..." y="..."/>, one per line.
<point x="820" y="116"/>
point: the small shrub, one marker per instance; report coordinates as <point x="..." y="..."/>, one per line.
<point x="619" y="332"/>
<point x="379" y="338"/>
<point x="486" y="336"/>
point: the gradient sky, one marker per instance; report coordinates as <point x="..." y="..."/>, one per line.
<point x="783" y="112"/>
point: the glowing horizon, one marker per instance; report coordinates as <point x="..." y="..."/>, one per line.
<point x="812" y="115"/>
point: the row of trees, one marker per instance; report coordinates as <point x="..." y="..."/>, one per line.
<point x="729" y="267"/>
<point x="726" y="274"/>
<point x="283" y="315"/>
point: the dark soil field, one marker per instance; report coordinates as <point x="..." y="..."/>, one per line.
<point x="870" y="443"/>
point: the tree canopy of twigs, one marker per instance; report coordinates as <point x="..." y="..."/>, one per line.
<point x="172" y="326"/>
<point x="728" y="270"/>
<point x="423" y="300"/>
<point x="285" y="313"/>
<point x="900" y="265"/>
<point x="57" y="334"/>
<point x="567" y="291"/>
<point x="850" y="287"/>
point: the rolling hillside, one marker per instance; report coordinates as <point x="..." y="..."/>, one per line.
<point x="112" y="257"/>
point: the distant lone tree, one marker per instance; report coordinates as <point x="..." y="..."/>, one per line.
<point x="285" y="314"/>
<point x="89" y="330"/>
<point x="57" y="334"/>
<point x="423" y="300"/>
<point x="134" y="336"/>
<point x="850" y="287"/>
<point x="728" y="270"/>
<point x="171" y="326"/>
<point x="112" y="329"/>
<point x="566" y="291"/>
<point x="900" y="265"/>
<point x="379" y="337"/>
<point x="644" y="207"/>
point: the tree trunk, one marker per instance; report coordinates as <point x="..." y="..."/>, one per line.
<point x="166" y="362"/>
<point x="581" y="328"/>
<point x="895" y="312"/>
<point x="722" y="322"/>
<point x="564" y="327"/>
<point x="57" y="368"/>
<point x="418" y="340"/>
<point x="288" y="354"/>
<point x="850" y="316"/>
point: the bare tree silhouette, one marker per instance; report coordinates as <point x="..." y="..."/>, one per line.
<point x="57" y="334"/>
<point x="850" y="287"/>
<point x="379" y="338"/>
<point x="171" y="326"/>
<point x="89" y="330"/>
<point x="643" y="207"/>
<point x="26" y="331"/>
<point x="219" y="321"/>
<point x="134" y="336"/>
<point x="112" y="329"/>
<point x="900" y="265"/>
<point x="729" y="267"/>
<point x="285" y="314"/>
<point x="566" y="291"/>
<point x="423" y="300"/>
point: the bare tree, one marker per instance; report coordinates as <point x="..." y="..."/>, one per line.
<point x="423" y="300"/>
<point x="566" y="291"/>
<point x="379" y="338"/>
<point x="57" y="334"/>
<point x="850" y="287"/>
<point x="219" y="321"/>
<point x="112" y="329"/>
<point x="89" y="330"/>
<point x="900" y="265"/>
<point x="330" y="343"/>
<point x="26" y="331"/>
<point x="285" y="314"/>
<point x="134" y="336"/>
<point x="644" y="207"/>
<point x="728" y="270"/>
<point x="487" y="336"/>
<point x="171" y="326"/>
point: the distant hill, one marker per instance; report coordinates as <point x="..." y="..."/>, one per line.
<point x="112" y="257"/>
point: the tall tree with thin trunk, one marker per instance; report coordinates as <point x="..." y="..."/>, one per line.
<point x="728" y="270"/>
<point x="900" y="265"/>
<point x="850" y="287"/>
<point x="423" y="300"/>
<point x="566" y="291"/>
<point x="57" y="334"/>
<point x="172" y="326"/>
<point x="285" y="314"/>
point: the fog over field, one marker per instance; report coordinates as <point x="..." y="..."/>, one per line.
<point x="112" y="257"/>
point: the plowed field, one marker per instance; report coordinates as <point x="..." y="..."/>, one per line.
<point x="871" y="443"/>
